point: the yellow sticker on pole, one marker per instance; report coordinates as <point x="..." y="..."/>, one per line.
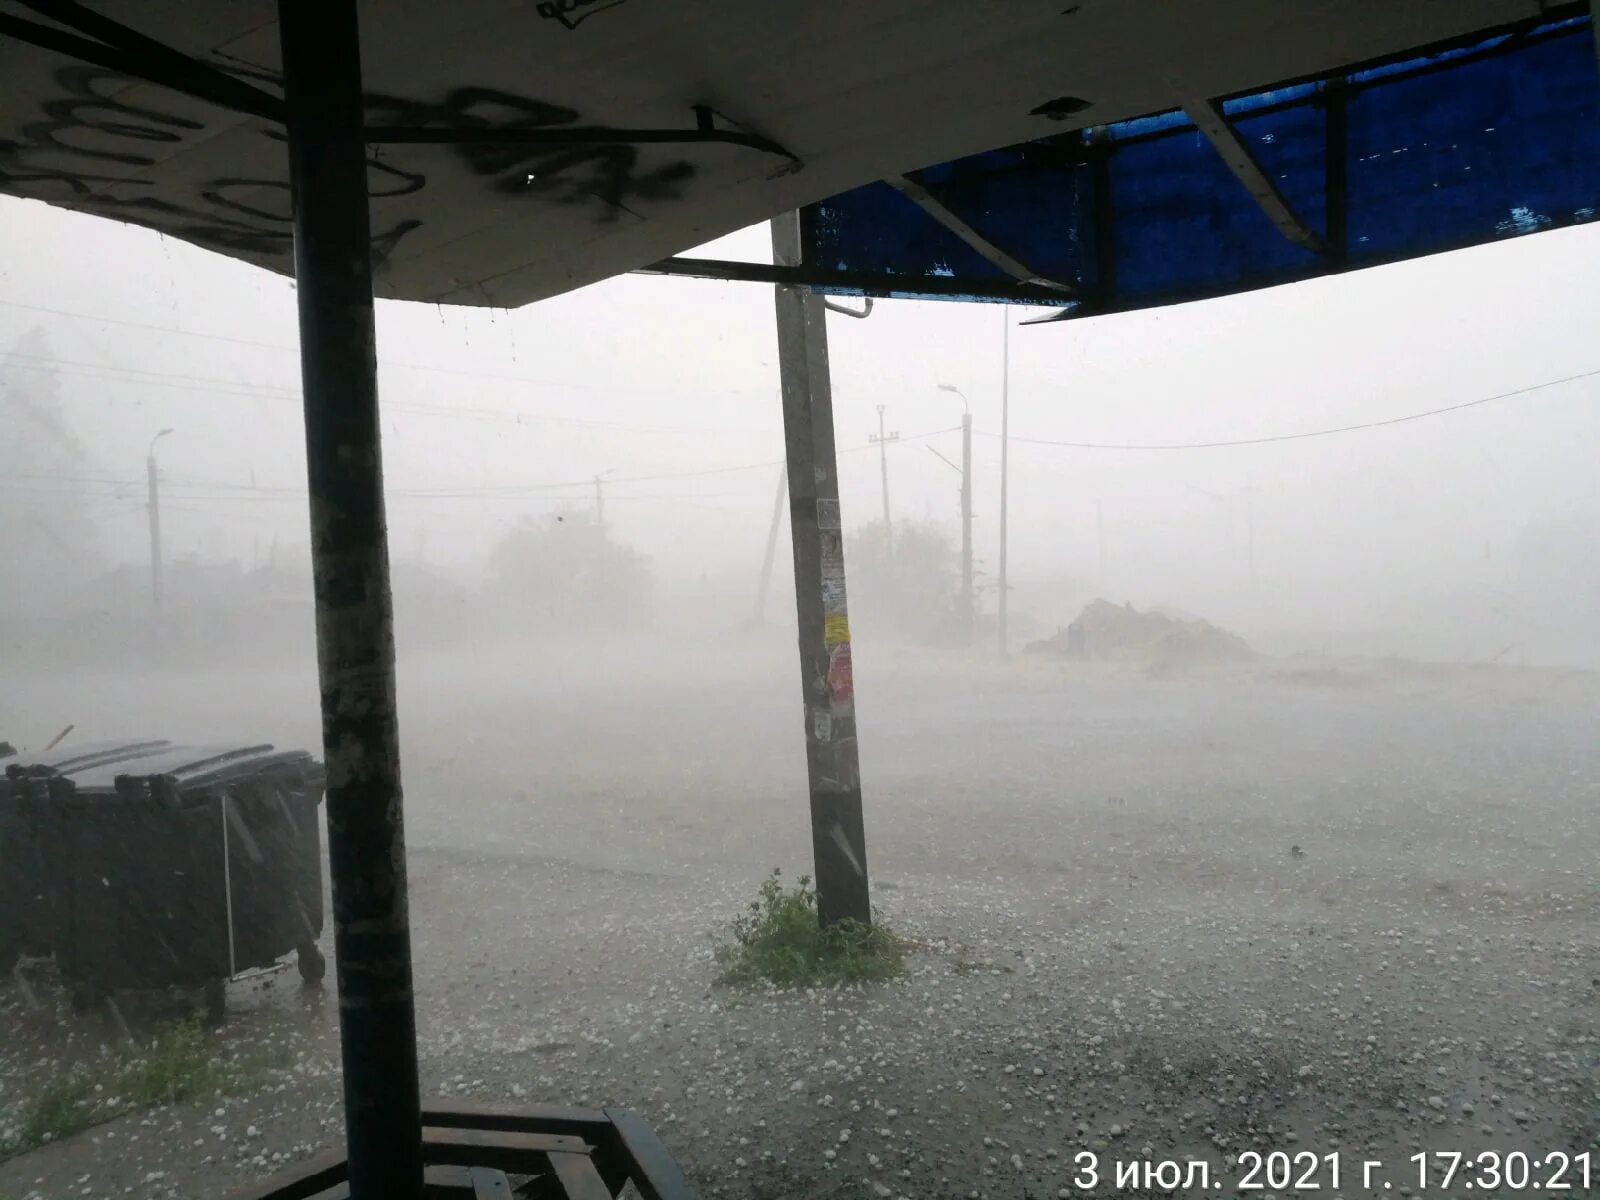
<point x="835" y="630"/>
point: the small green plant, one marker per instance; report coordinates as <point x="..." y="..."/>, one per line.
<point x="179" y="1066"/>
<point x="176" y="1066"/>
<point x="781" y="941"/>
<point x="54" y="1113"/>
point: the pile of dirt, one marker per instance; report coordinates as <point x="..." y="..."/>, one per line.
<point x="1106" y="632"/>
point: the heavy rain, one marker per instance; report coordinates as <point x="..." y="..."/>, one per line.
<point x="1225" y="679"/>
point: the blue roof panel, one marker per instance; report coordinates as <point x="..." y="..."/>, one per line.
<point x="1469" y="144"/>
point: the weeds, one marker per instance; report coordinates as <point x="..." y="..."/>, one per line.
<point x="56" y="1112"/>
<point x="176" y="1066"/>
<point x="781" y="941"/>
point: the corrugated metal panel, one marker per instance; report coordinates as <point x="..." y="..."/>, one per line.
<point x="1484" y="141"/>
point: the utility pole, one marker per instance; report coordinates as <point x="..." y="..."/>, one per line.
<point x="1250" y="531"/>
<point x="1100" y="533"/>
<point x="838" y="836"/>
<point x="772" y="545"/>
<point x="883" y="439"/>
<point x="968" y="609"/>
<point x="153" y="478"/>
<point x="1005" y="459"/>
<point x="599" y="503"/>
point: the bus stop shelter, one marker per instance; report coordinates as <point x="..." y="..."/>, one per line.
<point x="1092" y="157"/>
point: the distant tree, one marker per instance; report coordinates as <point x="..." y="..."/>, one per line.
<point x="910" y="585"/>
<point x="49" y="541"/>
<point x="570" y="573"/>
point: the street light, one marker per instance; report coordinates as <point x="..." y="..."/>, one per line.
<point x="954" y="390"/>
<point x="151" y="476"/>
<point x="1005" y="465"/>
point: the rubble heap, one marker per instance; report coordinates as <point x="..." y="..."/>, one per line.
<point x="1107" y="632"/>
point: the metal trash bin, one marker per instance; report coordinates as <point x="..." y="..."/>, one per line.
<point x="182" y="867"/>
<point x="30" y="903"/>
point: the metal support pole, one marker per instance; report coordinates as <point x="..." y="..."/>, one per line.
<point x="968" y="609"/>
<point x="772" y="546"/>
<point x="355" y="628"/>
<point x="1250" y="532"/>
<point x="883" y="470"/>
<point x="1100" y="534"/>
<point x="153" y="479"/>
<point x="838" y="838"/>
<point x="227" y="888"/>
<point x="155" y="530"/>
<point x="1005" y="463"/>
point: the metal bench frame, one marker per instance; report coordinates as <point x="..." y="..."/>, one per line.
<point x="473" y="1151"/>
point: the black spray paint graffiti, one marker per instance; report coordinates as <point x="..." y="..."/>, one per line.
<point x="269" y="200"/>
<point x="609" y="173"/>
<point x="59" y="160"/>
<point x="64" y="157"/>
<point x="87" y="128"/>
<point x="572" y="13"/>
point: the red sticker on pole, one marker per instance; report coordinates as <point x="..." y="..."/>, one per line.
<point x="841" y="674"/>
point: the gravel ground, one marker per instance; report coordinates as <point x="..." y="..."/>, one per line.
<point x="1331" y="908"/>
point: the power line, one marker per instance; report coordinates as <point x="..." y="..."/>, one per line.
<point x="199" y="489"/>
<point x="468" y="492"/>
<point x="463" y="372"/>
<point x="66" y="366"/>
<point x="249" y="390"/>
<point x="82" y="316"/>
<point x="1310" y="433"/>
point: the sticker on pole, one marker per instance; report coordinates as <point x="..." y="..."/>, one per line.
<point x="835" y="629"/>
<point x="821" y="724"/>
<point x="841" y="674"/>
<point x="833" y="561"/>
<point x="828" y="515"/>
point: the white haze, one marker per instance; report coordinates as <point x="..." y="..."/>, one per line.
<point x="1326" y="899"/>
<point x="1465" y="535"/>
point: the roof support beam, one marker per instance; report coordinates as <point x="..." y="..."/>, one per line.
<point x="1336" y="168"/>
<point x="1594" y="24"/>
<point x="936" y="208"/>
<point x="1209" y="119"/>
<point x="867" y="283"/>
<point x="355" y="616"/>
<point x="106" y="43"/>
<point x="705" y="131"/>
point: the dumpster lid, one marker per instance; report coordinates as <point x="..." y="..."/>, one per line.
<point x="134" y="769"/>
<point x="80" y="756"/>
<point x="190" y="766"/>
<point x="221" y="767"/>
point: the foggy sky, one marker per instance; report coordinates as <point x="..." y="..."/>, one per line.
<point x="492" y="415"/>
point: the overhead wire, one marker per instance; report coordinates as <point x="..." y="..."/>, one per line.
<point x="464" y="372"/>
<point x="196" y="489"/>
<point x="250" y="390"/>
<point x="1304" y="434"/>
